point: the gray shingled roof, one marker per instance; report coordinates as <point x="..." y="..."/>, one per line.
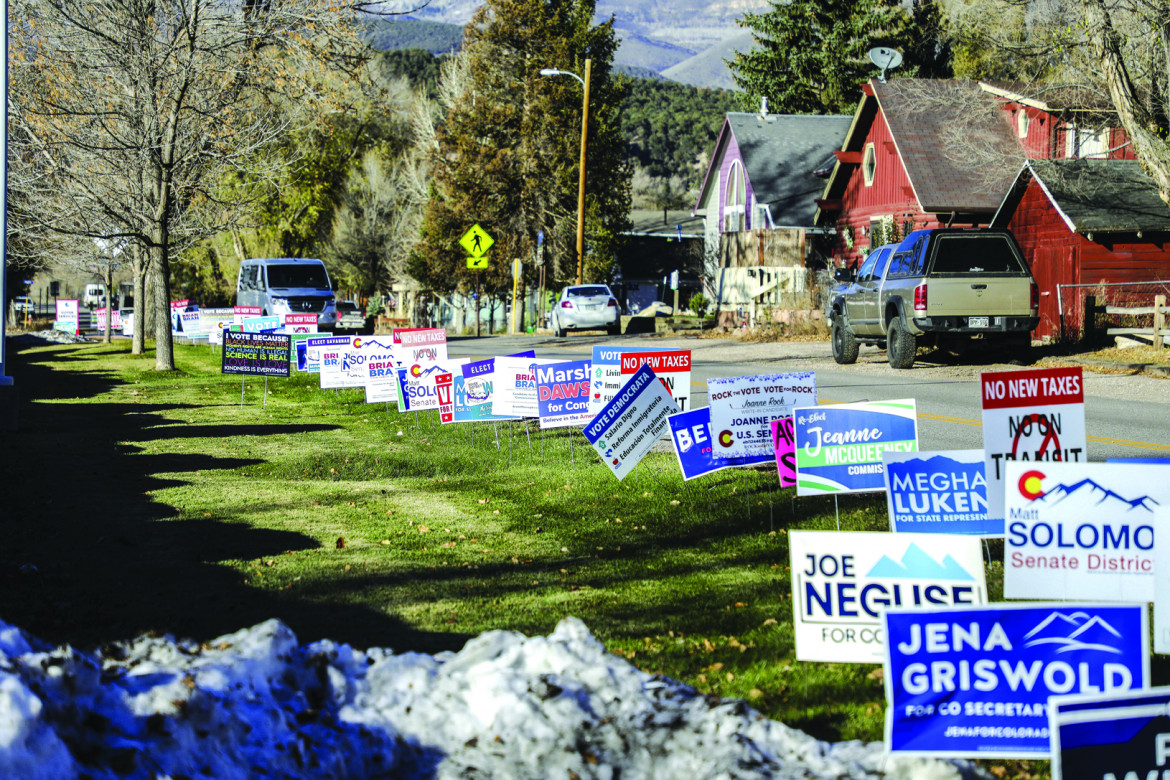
<point x="780" y="154"/>
<point x="1103" y="195"/>
<point x="955" y="144"/>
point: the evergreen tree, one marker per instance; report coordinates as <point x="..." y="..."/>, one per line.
<point x="811" y="55"/>
<point x="508" y="151"/>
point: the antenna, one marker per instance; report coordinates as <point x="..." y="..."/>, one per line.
<point x="885" y="58"/>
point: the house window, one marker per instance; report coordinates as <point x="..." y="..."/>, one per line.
<point x="735" y="204"/>
<point x="1022" y="122"/>
<point x="868" y="164"/>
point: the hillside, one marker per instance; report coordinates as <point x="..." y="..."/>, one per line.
<point x="708" y="68"/>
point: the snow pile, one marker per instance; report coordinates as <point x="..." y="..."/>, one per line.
<point x="506" y="706"/>
<point x="40" y="338"/>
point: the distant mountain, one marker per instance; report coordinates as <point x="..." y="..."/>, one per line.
<point x="396" y="33"/>
<point x="708" y="68"/>
<point x="690" y="38"/>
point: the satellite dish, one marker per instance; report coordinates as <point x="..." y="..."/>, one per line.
<point x="885" y="58"/>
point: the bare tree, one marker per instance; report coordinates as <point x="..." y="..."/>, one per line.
<point x="132" y="112"/>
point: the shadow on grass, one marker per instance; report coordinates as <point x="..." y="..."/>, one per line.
<point x="89" y="556"/>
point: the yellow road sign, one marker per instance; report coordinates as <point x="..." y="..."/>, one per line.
<point x="478" y="263"/>
<point x="476" y="241"/>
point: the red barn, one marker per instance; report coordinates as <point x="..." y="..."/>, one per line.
<point x="1088" y="227"/>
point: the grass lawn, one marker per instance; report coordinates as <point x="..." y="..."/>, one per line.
<point x="143" y="501"/>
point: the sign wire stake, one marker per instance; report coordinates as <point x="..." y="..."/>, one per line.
<point x="527" y="433"/>
<point x="416" y="421"/>
<point x="496" y="428"/>
<point x="243" y="379"/>
<point x="264" y="405"/>
<point x="837" y="511"/>
<point x="987" y="549"/>
<point x="572" y="451"/>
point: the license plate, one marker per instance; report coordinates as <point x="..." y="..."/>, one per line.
<point x="976" y="322"/>
<point x="596" y="306"/>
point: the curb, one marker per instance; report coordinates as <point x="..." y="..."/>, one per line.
<point x="1149" y="369"/>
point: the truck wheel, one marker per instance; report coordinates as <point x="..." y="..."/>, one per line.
<point x="845" y="346"/>
<point x="900" y="345"/>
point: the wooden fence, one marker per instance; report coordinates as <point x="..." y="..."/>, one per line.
<point x="1156" y="333"/>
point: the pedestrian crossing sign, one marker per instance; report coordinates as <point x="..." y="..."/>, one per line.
<point x="476" y="241"/>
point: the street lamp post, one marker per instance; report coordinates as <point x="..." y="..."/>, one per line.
<point x="581" y="174"/>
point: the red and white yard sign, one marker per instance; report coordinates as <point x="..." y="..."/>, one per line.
<point x="1030" y="416"/>
<point x="672" y="367"/>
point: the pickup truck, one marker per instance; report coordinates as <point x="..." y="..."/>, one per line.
<point x="349" y="316"/>
<point x="944" y="286"/>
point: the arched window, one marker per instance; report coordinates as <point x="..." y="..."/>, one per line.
<point x="734" y="205"/>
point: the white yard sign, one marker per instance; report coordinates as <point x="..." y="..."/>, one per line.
<point x="843" y="580"/>
<point x="515" y="386"/>
<point x="346" y="366"/>
<point x="743" y="408"/>
<point x="1084" y="531"/>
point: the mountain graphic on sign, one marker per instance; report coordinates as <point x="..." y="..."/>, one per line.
<point x="1088" y="490"/>
<point x="917" y="565"/>
<point x="1075" y="631"/>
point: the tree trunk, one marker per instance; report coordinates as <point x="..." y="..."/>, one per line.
<point x="109" y="280"/>
<point x="164" y="347"/>
<point x="138" y="344"/>
<point x="1149" y="147"/>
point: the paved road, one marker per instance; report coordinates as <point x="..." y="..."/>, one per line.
<point x="1125" y="416"/>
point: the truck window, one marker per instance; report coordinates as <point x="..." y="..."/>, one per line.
<point x="882" y="259"/>
<point x="979" y="255"/>
<point x="905" y="264"/>
<point x="866" y="270"/>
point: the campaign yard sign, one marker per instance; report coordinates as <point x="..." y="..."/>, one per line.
<point x="445" y="394"/>
<point x="300" y="323"/>
<point x="214" y="322"/>
<point x="672" y="367"/>
<point x="843" y="580"/>
<point x="784" y="449"/>
<point x="629" y="425"/>
<point x="417" y="390"/>
<point x="975" y="681"/>
<point x="743" y="408"/>
<point x="605" y="376"/>
<point x="1099" y="736"/>
<point x="938" y="492"/>
<point x="68" y="315"/>
<point x="1083" y="530"/>
<point x="691" y="434"/>
<point x="515" y="386"/>
<point x="1036" y="415"/>
<point x="347" y="366"/>
<point x="241" y="313"/>
<point x="839" y="448"/>
<point x="255" y="324"/>
<point x="259" y="354"/>
<point x="562" y="394"/>
<point x="308" y="351"/>
<point x="473" y="396"/>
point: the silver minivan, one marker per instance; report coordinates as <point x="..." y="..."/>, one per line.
<point x="287" y="285"/>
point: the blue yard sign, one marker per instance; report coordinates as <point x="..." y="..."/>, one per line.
<point x="975" y="681"/>
<point x="1119" y="735"/>
<point x="691" y="434"/>
<point x="839" y="448"/>
<point x="938" y="492"/>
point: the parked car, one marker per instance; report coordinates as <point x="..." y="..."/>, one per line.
<point x="586" y="307"/>
<point x="947" y="286"/>
<point x="23" y="306"/>
<point x="349" y="316"/>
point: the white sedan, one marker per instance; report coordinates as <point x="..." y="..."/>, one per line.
<point x="586" y="307"/>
